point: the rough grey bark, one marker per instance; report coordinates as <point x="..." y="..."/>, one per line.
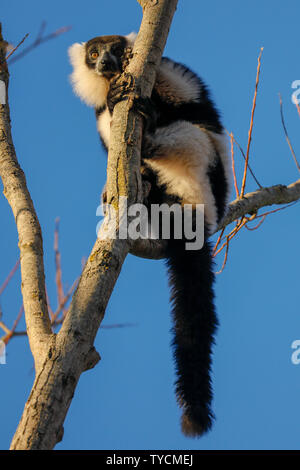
<point x="252" y="202"/>
<point x="71" y="351"/>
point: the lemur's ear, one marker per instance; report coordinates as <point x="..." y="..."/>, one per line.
<point x="131" y="38"/>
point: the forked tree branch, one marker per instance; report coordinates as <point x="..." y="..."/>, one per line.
<point x="71" y="351"/>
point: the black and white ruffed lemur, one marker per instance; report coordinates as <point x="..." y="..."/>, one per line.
<point x="185" y="158"/>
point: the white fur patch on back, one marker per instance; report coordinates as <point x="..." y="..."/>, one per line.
<point x="176" y="82"/>
<point x="103" y="126"/>
<point x="182" y="162"/>
<point x="89" y="86"/>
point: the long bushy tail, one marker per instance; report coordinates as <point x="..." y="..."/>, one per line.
<point x="191" y="278"/>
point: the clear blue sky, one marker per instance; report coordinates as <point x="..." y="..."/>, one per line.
<point x="127" y="401"/>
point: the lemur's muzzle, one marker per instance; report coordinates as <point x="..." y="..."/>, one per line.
<point x="106" y="64"/>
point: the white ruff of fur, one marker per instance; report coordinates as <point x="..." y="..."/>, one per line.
<point x="89" y="86"/>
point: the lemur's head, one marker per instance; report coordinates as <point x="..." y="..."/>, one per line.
<point x="94" y="64"/>
<point x="104" y="55"/>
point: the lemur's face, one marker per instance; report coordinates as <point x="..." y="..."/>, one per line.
<point x="104" y="55"/>
<point x="95" y="63"/>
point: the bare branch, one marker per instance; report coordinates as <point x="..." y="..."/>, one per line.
<point x="40" y="39"/>
<point x="254" y="201"/>
<point x="29" y="232"/>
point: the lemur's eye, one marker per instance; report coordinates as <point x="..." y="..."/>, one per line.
<point x="94" y="54"/>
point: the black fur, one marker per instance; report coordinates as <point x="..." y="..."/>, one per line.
<point x="202" y="112"/>
<point x="99" y="111"/>
<point x="191" y="279"/>
<point x="219" y="185"/>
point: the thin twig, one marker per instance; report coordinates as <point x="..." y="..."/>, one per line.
<point x="225" y="258"/>
<point x="244" y="156"/>
<point x="40" y="39"/>
<point x="218" y="241"/>
<point x="9" y="277"/>
<point x="64" y="301"/>
<point x="17" y="47"/>
<point x="4" y="327"/>
<point x="286" y="134"/>
<point x="19" y="316"/>
<point x="10" y="334"/>
<point x="237" y="228"/>
<point x="259" y="223"/>
<point x="58" y="272"/>
<point x="277" y="210"/>
<point x="221" y="238"/>
<point x="102" y="327"/>
<point x="233" y="166"/>
<point x="243" y="223"/>
<point x="251" y="125"/>
<point x="117" y="325"/>
<point x="41" y="31"/>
